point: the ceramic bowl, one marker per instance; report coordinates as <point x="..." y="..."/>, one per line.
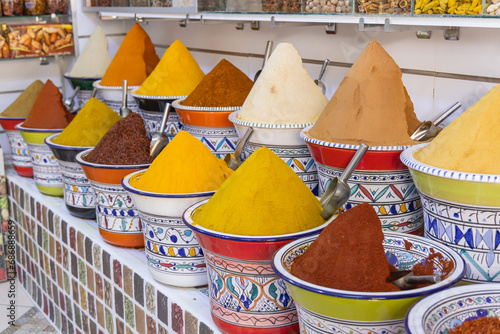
<point x="461" y="210"/>
<point x="380" y="180"/>
<point x="210" y="125"/>
<point x="46" y="170"/>
<point x="326" y="310"/>
<point x="112" y="96"/>
<point x="78" y="194"/>
<point x="246" y="296"/>
<point x="86" y="87"/>
<point x="440" y="312"/>
<point x="284" y="140"/>
<point x="21" y="158"/>
<point x="174" y="255"/>
<point x="152" y="108"/>
<point x="117" y="216"/>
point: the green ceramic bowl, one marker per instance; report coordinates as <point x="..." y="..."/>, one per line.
<point x="46" y="170"/>
<point x="461" y="210"/>
<point x="326" y="310"/>
<point x="83" y="83"/>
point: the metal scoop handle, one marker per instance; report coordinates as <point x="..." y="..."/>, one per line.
<point x="164" y="120"/>
<point x="269" y="47"/>
<point x="447" y="113"/>
<point x="409" y="281"/>
<point x="354" y="162"/>
<point x="71" y="101"/>
<point x="124" y="111"/>
<point x="323" y="69"/>
<point x="235" y="160"/>
<point x="94" y="92"/>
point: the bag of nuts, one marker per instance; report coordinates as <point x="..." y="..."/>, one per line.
<point x="41" y="40"/>
<point x="4" y="42"/>
<point x="34" y="7"/>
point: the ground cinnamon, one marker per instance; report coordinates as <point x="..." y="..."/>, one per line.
<point x="484" y="325"/>
<point x="224" y="86"/>
<point x="48" y="111"/>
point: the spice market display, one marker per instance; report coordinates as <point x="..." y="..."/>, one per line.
<point x="250" y="248"/>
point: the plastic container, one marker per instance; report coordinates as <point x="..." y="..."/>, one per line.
<point x="34" y="7"/>
<point x="392" y="7"/>
<point x="12" y="7"/>
<point x="453" y="7"/>
<point x="282" y="6"/>
<point x="57" y="7"/>
<point x="328" y="6"/>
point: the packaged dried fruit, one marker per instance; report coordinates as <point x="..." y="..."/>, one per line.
<point x="4" y="42"/>
<point x="34" y="7"/>
<point x="12" y="7"/>
<point x="328" y="6"/>
<point x="453" y="7"/>
<point x="41" y="40"/>
<point x="57" y="7"/>
<point x="394" y="7"/>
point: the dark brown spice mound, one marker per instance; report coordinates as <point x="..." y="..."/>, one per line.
<point x="485" y="325"/>
<point x="224" y="86"/>
<point x="126" y="143"/>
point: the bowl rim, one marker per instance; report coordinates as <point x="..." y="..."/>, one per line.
<point x="36" y="130"/>
<point x="156" y="97"/>
<point x="5" y="118"/>
<point x="455" y="277"/>
<point x="188" y="221"/>
<point x="50" y="143"/>
<point x="235" y="120"/>
<point x="79" y="159"/>
<point x="67" y="76"/>
<point x="412" y="163"/>
<point x="97" y="84"/>
<point x="416" y="313"/>
<point x="311" y="140"/>
<point x="177" y="105"/>
<point x="127" y="186"/>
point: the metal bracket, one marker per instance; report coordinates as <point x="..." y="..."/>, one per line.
<point x="240" y="26"/>
<point x="452" y="34"/>
<point x="330" y="29"/>
<point x="255" y="25"/>
<point x="44" y="61"/>
<point x="374" y="27"/>
<point x="423" y="34"/>
<point x="184" y="22"/>
<point x="274" y="23"/>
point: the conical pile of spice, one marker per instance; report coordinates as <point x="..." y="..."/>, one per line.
<point x="94" y="58"/>
<point x="177" y="74"/>
<point x="284" y="92"/>
<point x="126" y="143"/>
<point x="89" y="126"/>
<point x="224" y="86"/>
<point x="262" y="197"/>
<point x="184" y="166"/>
<point x="134" y="61"/>
<point x="469" y="143"/>
<point x="371" y="104"/>
<point x="21" y="106"/>
<point x="48" y="111"/>
<point x="348" y="254"/>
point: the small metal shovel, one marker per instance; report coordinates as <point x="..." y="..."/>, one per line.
<point x="70" y="102"/>
<point x="318" y="81"/>
<point x="233" y="161"/>
<point x="338" y="190"/>
<point x="406" y="280"/>
<point x="94" y="92"/>
<point x="124" y="110"/>
<point x="160" y="139"/>
<point x="428" y="129"/>
<point x="269" y="48"/>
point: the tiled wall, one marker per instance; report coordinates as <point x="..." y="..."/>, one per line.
<point x="82" y="287"/>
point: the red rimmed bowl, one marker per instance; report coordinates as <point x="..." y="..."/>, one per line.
<point x="174" y="255"/>
<point x="380" y="179"/>
<point x="112" y="96"/>
<point x="117" y="217"/>
<point x="78" y="194"/>
<point x="285" y="141"/>
<point x="21" y="158"/>
<point x="211" y="125"/>
<point x="246" y="296"/>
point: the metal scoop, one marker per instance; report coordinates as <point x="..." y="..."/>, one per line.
<point x="406" y="280"/>
<point x="428" y="129"/>
<point x="269" y="48"/>
<point x="338" y="190"/>
<point x="70" y="102"/>
<point x="160" y="139"/>
<point x="318" y="81"/>
<point x="233" y="161"/>
<point x="94" y="92"/>
<point x="124" y="110"/>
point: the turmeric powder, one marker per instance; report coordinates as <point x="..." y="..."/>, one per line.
<point x="177" y="74"/>
<point x="134" y="61"/>
<point x="89" y="126"/>
<point x="184" y="166"/>
<point x="262" y="197"/>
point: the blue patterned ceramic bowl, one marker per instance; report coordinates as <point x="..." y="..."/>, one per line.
<point x="326" y="310"/>
<point x="461" y="210"/>
<point x="440" y="312"/>
<point x="174" y="255"/>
